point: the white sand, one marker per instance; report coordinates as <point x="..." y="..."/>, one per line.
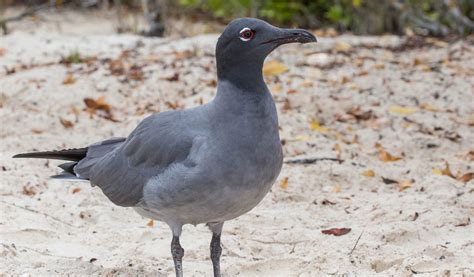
<point x="53" y="231"/>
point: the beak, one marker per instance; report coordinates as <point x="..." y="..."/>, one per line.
<point x="292" y="35"/>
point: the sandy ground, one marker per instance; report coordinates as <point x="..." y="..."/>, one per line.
<point x="337" y="99"/>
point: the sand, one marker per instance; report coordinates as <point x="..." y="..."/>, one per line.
<point x="337" y="99"/>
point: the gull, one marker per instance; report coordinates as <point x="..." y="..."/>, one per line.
<point x="204" y="165"/>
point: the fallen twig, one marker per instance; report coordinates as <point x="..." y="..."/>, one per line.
<point x="311" y="160"/>
<point x="357" y="242"/>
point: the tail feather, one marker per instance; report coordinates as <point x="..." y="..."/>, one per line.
<point x="74" y="154"/>
<point x="86" y="157"/>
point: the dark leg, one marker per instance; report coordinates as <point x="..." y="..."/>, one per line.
<point x="177" y="252"/>
<point x="216" y="249"/>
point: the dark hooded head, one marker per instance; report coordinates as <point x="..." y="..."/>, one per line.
<point x="246" y="42"/>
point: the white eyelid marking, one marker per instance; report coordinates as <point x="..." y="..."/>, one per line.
<point x="244" y="30"/>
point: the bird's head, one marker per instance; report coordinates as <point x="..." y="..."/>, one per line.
<point x="246" y="42"/>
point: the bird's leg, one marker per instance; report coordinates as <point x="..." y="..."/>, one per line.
<point x="216" y="248"/>
<point x="177" y="252"/>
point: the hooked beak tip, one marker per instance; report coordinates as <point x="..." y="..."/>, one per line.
<point x="294" y="35"/>
<point x="303" y="36"/>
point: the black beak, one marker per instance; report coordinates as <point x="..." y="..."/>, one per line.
<point x="292" y="35"/>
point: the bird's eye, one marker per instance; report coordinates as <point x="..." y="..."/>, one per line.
<point x="246" y="34"/>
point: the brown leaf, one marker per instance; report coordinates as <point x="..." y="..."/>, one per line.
<point x="470" y="155"/>
<point x="151" y="223"/>
<point x="358" y="114"/>
<point x="136" y="73"/>
<point x="446" y="171"/>
<point x="98" y="104"/>
<point x="69" y="80"/>
<point x="116" y="67"/>
<point x="66" y="123"/>
<point x="183" y="55"/>
<point x="336" y="188"/>
<point x="75" y="111"/>
<point x="428" y="107"/>
<point x="76" y="190"/>
<point x="336" y="231"/>
<point x="172" y="78"/>
<point x="29" y="190"/>
<point x="403" y="185"/>
<point x="174" y="105"/>
<point x="337" y="148"/>
<point x="284" y="183"/>
<point x="368" y="173"/>
<point x="37" y="131"/>
<point x="384" y="156"/>
<point x="342" y="47"/>
<point x="466" y="177"/>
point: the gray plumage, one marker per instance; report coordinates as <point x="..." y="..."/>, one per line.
<point x="208" y="164"/>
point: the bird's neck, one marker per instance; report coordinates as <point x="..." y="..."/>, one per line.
<point x="244" y="74"/>
<point x="250" y="101"/>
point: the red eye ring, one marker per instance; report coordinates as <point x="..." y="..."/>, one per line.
<point x="246" y="34"/>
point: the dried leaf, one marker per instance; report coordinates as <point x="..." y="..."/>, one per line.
<point x="284" y="183"/>
<point x="174" y="105"/>
<point x="66" y="123"/>
<point x="384" y="156"/>
<point x="404" y="185"/>
<point x="338" y="150"/>
<point x="428" y="107"/>
<point x="116" y="67"/>
<point x="273" y="68"/>
<point x="470" y="155"/>
<point x="183" y="55"/>
<point x="29" y="190"/>
<point x="276" y="88"/>
<point x="98" y="104"/>
<point x="76" y="190"/>
<point x="37" y="131"/>
<point x="172" y="78"/>
<point x="75" y="111"/>
<point x="315" y="126"/>
<point x="336" y="231"/>
<point x="358" y="114"/>
<point x="69" y="80"/>
<point x="343" y="47"/>
<point x="402" y="110"/>
<point x="151" y="223"/>
<point x="446" y="171"/>
<point x="336" y="188"/>
<point x="465" y="177"/>
<point x="2" y="51"/>
<point x="368" y="173"/>
<point x="379" y="66"/>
